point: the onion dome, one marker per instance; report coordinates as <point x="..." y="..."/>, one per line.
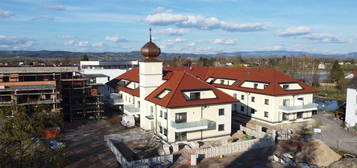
<point x="150" y="49"/>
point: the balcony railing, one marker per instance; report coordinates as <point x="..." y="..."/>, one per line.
<point x="192" y="126"/>
<point x="116" y="99"/>
<point x="300" y="108"/>
<point x="131" y="109"/>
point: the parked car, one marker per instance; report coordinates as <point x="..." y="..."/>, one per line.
<point x="128" y="121"/>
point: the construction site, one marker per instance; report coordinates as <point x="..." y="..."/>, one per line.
<point x="64" y="88"/>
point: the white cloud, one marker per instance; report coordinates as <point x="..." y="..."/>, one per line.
<point x="294" y="31"/>
<point x="115" y="38"/>
<point x="162" y="10"/>
<point x="224" y="41"/>
<point x="82" y="43"/>
<point x="174" y="41"/>
<point x="15" y="42"/>
<point x="70" y="42"/>
<point x="64" y="36"/>
<point x="200" y="22"/>
<point x="192" y="44"/>
<point x="326" y="38"/>
<point x="99" y="44"/>
<point x="56" y="7"/>
<point x="171" y="31"/>
<point x="5" y="14"/>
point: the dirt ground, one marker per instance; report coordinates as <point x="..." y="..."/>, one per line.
<point x="86" y="146"/>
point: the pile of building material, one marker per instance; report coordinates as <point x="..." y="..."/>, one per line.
<point x="347" y="162"/>
<point x="318" y="153"/>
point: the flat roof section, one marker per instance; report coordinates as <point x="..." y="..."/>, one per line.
<point x="38" y="69"/>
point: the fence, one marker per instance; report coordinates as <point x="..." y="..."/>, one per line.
<point x="236" y="147"/>
<point x="142" y="163"/>
<point x="256" y="133"/>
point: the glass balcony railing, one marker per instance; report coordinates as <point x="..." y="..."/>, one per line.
<point x="192" y="126"/>
<point x="116" y="99"/>
<point x="131" y="109"/>
<point x="300" y="108"/>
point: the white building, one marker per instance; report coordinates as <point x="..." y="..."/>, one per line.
<point x="195" y="103"/>
<point x="322" y="66"/>
<point x="100" y="72"/>
<point x="351" y="103"/>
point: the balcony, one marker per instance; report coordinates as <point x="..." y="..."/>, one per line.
<point x="115" y="99"/>
<point x="300" y="108"/>
<point x="130" y="109"/>
<point x="192" y="126"/>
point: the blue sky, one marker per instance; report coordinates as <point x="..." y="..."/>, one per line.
<point x="192" y="26"/>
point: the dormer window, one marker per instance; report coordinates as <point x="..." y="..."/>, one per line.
<point x="163" y="93"/>
<point x="255" y="86"/>
<point x="285" y="87"/>
<point x="195" y="96"/>
<point x="222" y="81"/>
<point x="265" y="86"/>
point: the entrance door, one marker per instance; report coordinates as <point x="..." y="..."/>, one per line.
<point x="299" y="115"/>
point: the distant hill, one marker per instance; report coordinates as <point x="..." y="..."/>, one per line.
<point x="136" y="54"/>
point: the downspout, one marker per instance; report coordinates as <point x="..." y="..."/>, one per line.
<point x="155" y="119"/>
<point x="167" y="124"/>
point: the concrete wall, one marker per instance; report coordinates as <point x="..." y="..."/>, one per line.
<point x="351" y="107"/>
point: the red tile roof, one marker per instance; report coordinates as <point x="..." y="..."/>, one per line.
<point x="354" y="72"/>
<point x="182" y="81"/>
<point x="131" y="75"/>
<point x="273" y="77"/>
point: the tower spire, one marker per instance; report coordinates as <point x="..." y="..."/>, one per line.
<point x="150" y="33"/>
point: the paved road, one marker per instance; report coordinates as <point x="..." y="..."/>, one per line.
<point x="334" y="136"/>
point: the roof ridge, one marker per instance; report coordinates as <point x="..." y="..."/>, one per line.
<point x="178" y="84"/>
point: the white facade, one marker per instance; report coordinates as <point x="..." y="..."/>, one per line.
<point x="272" y="109"/>
<point x="351" y="107"/>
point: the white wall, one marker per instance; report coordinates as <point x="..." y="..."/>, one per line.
<point x="112" y="73"/>
<point x="351" y="107"/>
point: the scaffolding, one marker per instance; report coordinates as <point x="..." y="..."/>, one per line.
<point x="80" y="100"/>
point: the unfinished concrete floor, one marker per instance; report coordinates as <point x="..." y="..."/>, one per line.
<point x="86" y="146"/>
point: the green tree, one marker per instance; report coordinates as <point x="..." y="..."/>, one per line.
<point x="85" y="58"/>
<point x="336" y="72"/>
<point x="20" y="133"/>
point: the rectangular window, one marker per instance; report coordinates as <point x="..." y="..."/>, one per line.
<point x="255" y="86"/>
<point x="266" y="114"/>
<point x="285" y="116"/>
<point x="181" y="117"/>
<point x="242" y="108"/>
<point x="252" y="111"/>
<point x="165" y="131"/>
<point x="222" y="81"/>
<point x="181" y="136"/>
<point x="285" y="87"/>
<point x="266" y="101"/>
<point x="221" y="127"/>
<point x="165" y="115"/>
<point x="265" y="86"/>
<point x="160" y="113"/>
<point x="242" y="97"/>
<point x="299" y="115"/>
<point x="286" y="102"/>
<point x="253" y="99"/>
<point x="195" y="96"/>
<point x="221" y="112"/>
<point x="160" y="130"/>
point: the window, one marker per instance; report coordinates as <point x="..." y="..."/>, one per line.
<point x="241" y="108"/>
<point x="165" y="131"/>
<point x="255" y="86"/>
<point x="160" y="113"/>
<point x="6" y="79"/>
<point x="222" y="81"/>
<point x="221" y="127"/>
<point x="265" y="86"/>
<point x="181" y="136"/>
<point x="235" y="95"/>
<point x="266" y="101"/>
<point x="139" y="104"/>
<point x="181" y="117"/>
<point x="266" y="114"/>
<point x="253" y="99"/>
<point x="242" y="97"/>
<point x="286" y="102"/>
<point x="252" y="111"/>
<point x="299" y="115"/>
<point x="221" y="112"/>
<point x="285" y="87"/>
<point x="285" y="116"/>
<point x="165" y="115"/>
<point x="195" y="96"/>
<point x="151" y="110"/>
<point x="160" y="130"/>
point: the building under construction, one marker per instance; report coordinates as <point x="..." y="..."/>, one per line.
<point x="62" y="88"/>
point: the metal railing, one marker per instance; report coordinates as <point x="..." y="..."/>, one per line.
<point x="191" y="126"/>
<point x="300" y="108"/>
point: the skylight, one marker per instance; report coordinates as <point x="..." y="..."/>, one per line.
<point x="163" y="93"/>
